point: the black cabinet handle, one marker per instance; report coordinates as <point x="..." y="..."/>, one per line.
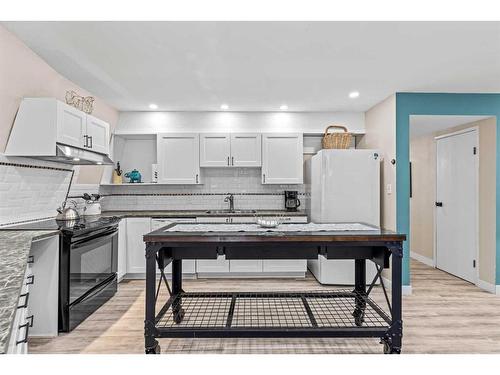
<point x="196" y="178"/>
<point x="30" y="280"/>
<point x="31" y="259"/>
<point x="232" y="160"/>
<point x="30" y="319"/>
<point x="26" y="297"/>
<point x="439" y="204"/>
<point x="91" y="142"/>
<point x="26" y="327"/>
<point x="228" y="160"/>
<point x="86" y="141"/>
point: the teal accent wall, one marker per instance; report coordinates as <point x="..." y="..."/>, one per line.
<point x="436" y="104"/>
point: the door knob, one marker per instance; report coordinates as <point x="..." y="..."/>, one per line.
<point x="439" y="204"/>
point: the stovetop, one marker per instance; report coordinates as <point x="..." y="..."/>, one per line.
<point x="82" y="225"/>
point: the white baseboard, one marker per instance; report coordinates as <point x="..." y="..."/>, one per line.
<point x="405" y="290"/>
<point x="422" y="259"/>
<point x="492" y="288"/>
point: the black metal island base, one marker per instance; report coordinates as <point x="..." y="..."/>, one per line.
<point x="322" y="313"/>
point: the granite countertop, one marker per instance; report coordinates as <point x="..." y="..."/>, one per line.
<point x="14" y="250"/>
<point x="198" y="213"/>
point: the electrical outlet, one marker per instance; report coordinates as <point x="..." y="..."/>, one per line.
<point x="389" y="189"/>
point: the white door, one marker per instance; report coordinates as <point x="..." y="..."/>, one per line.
<point x="215" y="150"/>
<point x="178" y="158"/>
<point x="98" y="133"/>
<point x="246" y="150"/>
<point x="456" y="204"/>
<point x="282" y="158"/>
<point x="136" y="228"/>
<point x="71" y="126"/>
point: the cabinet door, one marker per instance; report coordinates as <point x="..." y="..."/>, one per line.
<point x="245" y="266"/>
<point x="98" y="133"/>
<point x="282" y="158"/>
<point x="178" y="158"/>
<point x="246" y="150"/>
<point x="285" y="265"/>
<point x="136" y="228"/>
<point x="122" y="248"/>
<point x="71" y="125"/>
<point x="215" y="150"/>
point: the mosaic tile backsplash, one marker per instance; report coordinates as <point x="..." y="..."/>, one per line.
<point x="244" y="183"/>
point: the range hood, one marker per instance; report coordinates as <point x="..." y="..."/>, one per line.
<point x="76" y="156"/>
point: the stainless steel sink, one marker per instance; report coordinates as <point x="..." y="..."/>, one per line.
<point x="228" y="212"/>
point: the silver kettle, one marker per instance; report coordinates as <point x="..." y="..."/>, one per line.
<point x="67" y="213"/>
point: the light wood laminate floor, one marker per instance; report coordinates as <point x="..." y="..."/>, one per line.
<point x="443" y="315"/>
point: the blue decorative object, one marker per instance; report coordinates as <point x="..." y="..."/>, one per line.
<point x="134" y="176"/>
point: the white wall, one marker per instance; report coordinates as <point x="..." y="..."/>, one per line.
<point x="306" y="122"/>
<point x="381" y="135"/>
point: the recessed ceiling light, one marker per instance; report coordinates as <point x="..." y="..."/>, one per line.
<point x="76" y="159"/>
<point x="224" y="107"/>
<point x="353" y="94"/>
<point x="153" y="106"/>
<point x="99" y="162"/>
<point x="284" y="107"/>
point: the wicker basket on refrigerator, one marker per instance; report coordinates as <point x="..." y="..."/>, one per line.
<point x="338" y="140"/>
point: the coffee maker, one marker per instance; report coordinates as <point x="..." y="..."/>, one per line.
<point x="291" y="200"/>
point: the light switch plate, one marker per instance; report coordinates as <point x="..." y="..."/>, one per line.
<point x="389" y="189"/>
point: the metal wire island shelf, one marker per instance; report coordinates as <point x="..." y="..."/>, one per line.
<point x="226" y="314"/>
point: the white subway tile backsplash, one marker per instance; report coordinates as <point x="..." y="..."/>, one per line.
<point x="245" y="183"/>
<point x="31" y="193"/>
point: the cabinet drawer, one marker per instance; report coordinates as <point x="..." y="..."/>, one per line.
<point x="285" y="265"/>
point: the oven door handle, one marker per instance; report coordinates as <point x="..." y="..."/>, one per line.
<point x="98" y="237"/>
<point x="95" y="290"/>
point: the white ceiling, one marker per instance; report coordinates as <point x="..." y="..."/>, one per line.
<point x="258" y="66"/>
<point x="424" y="125"/>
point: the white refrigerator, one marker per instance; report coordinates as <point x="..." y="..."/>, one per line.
<point x="344" y="187"/>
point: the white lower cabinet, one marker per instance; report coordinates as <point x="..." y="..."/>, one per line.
<point x="219" y="265"/>
<point x="122" y="249"/>
<point x="131" y="251"/>
<point x="285" y="265"/>
<point x="245" y="266"/>
<point x="37" y="311"/>
<point x="136" y="260"/>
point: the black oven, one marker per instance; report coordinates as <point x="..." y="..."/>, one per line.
<point x="87" y="273"/>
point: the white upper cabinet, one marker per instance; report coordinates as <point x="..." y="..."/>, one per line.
<point x="246" y="150"/>
<point x="178" y="158"/>
<point x="282" y="158"/>
<point x="230" y="150"/>
<point x="97" y="135"/>
<point x="215" y="149"/>
<point x="71" y="126"/>
<point x="40" y="123"/>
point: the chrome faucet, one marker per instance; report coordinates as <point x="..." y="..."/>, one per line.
<point x="230" y="199"/>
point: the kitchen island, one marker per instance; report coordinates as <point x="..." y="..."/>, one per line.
<point x="332" y="313"/>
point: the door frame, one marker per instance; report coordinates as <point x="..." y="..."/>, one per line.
<point x="475" y="130"/>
